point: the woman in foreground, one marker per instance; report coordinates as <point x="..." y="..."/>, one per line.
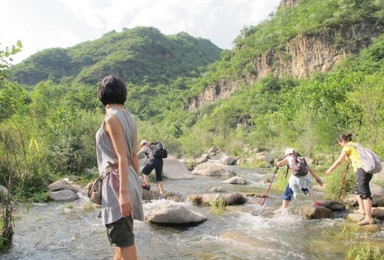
<point x="117" y="161"/>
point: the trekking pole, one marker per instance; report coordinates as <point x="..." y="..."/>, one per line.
<point x="269" y="188"/>
<point x="344" y="178"/>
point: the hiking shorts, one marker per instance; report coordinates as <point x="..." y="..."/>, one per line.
<point x="120" y="232"/>
<point x="289" y="192"/>
<point x="157" y="164"/>
<point x="362" y="184"/>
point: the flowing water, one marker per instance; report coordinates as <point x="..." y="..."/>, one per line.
<point x="73" y="231"/>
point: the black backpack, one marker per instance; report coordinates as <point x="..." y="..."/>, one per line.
<point x="298" y="166"/>
<point x="158" y="150"/>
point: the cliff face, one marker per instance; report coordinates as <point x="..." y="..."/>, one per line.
<point x="288" y="3"/>
<point x="299" y="58"/>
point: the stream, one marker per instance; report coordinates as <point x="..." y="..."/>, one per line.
<point x="72" y="230"/>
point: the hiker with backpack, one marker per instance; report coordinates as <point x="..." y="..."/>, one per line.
<point x="299" y="179"/>
<point x="154" y="153"/>
<point x="361" y="189"/>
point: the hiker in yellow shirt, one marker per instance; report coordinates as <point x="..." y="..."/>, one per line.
<point x="361" y="190"/>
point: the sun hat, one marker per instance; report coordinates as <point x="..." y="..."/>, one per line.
<point x="143" y="142"/>
<point x="289" y="151"/>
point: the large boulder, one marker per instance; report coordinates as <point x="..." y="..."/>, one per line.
<point x="174" y="214"/>
<point x="379" y="176"/>
<point x="212" y="169"/>
<point x="174" y="169"/>
<point x="377" y="196"/>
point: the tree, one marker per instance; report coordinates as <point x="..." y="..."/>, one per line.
<point x="368" y="98"/>
<point x="10" y="163"/>
<point x="6" y="57"/>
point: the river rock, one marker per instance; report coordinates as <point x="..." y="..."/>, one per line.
<point x="153" y="194"/>
<point x="59" y="185"/>
<point x="236" y="180"/>
<point x="377" y="196"/>
<point x="218" y="189"/>
<point x="174" y="214"/>
<point x="213" y="151"/>
<point x="315" y="212"/>
<point x="378" y="213"/>
<point x="3" y="191"/>
<point x="212" y="169"/>
<point x="208" y="199"/>
<point x="333" y="205"/>
<point x="354" y="217"/>
<point x="227" y="160"/>
<point x="203" y="158"/>
<point x="64" y="195"/>
<point x="174" y="169"/>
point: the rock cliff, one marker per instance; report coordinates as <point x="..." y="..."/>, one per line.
<point x="288" y="3"/>
<point x="300" y="57"/>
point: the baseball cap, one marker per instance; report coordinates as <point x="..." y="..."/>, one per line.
<point x="288" y="151"/>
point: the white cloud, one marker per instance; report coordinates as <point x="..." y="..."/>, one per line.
<point x="42" y="24"/>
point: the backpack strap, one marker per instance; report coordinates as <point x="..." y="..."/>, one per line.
<point x="286" y="173"/>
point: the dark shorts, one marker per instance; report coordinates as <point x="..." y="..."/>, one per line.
<point x="362" y="184"/>
<point x="289" y="192"/>
<point x="157" y="164"/>
<point x="120" y="232"/>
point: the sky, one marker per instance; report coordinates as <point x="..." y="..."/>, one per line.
<point x="43" y="24"/>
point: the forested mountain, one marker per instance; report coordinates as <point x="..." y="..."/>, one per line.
<point x="313" y="70"/>
<point x="142" y="55"/>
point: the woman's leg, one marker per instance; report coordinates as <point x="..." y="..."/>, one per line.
<point x="368" y="209"/>
<point x="285" y="204"/>
<point x="147" y="169"/>
<point x="364" y="192"/>
<point x="160" y="187"/>
<point x="286" y="198"/>
<point x="146" y="179"/>
<point x="121" y="234"/>
<point x="361" y="208"/>
<point x="125" y="253"/>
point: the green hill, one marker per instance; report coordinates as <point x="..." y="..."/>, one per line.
<point x="310" y="72"/>
<point x="142" y="55"/>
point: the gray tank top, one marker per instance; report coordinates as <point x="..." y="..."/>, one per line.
<point x="108" y="163"/>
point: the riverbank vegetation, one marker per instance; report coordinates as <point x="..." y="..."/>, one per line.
<point x="58" y="120"/>
<point x="52" y="123"/>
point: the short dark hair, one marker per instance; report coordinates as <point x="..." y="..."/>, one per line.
<point x="112" y="90"/>
<point x="345" y="137"/>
